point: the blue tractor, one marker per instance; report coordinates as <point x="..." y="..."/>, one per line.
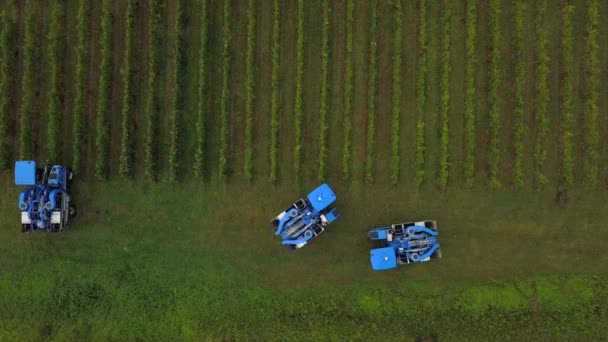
<point x="46" y="203"/>
<point x="306" y="219"/>
<point x="404" y="243"/>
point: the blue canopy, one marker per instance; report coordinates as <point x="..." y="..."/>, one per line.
<point x="321" y="197"/>
<point x="383" y="258"/>
<point x="25" y="172"/>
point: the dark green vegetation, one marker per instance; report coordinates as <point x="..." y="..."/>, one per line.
<point x="247" y="105"/>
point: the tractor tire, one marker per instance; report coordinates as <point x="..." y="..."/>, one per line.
<point x="72" y="212"/>
<point x="290" y="248"/>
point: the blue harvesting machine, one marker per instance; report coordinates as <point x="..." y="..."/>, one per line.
<point x="306" y="219"/>
<point x="404" y="243"/>
<point x="46" y="203"/>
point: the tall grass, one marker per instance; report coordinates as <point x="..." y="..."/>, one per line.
<point x="324" y="79"/>
<point x="348" y="92"/>
<point x="421" y="93"/>
<point x="80" y="82"/>
<point x="152" y="100"/>
<point x="55" y="50"/>
<point x="274" y="110"/>
<point x="397" y="34"/>
<point x="495" y="82"/>
<point x="299" y="106"/>
<point x="445" y="97"/>
<point x="225" y="99"/>
<point x="542" y="86"/>
<point x="178" y="95"/>
<point x="7" y="66"/>
<point x="370" y="168"/>
<point x="568" y="96"/>
<point x="102" y="139"/>
<point x="29" y="56"/>
<point x="592" y="66"/>
<point x="471" y="96"/>
<point x="199" y="154"/>
<point x="126" y="141"/>
<point x="518" y="177"/>
<point x="248" y="168"/>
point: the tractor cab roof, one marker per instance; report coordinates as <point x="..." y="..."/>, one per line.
<point x="383" y="258"/>
<point x="25" y="172"/>
<point x="321" y="197"/>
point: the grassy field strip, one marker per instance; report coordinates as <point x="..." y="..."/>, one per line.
<point x="178" y="96"/>
<point x="396" y="110"/>
<point x="200" y="152"/>
<point x="348" y="93"/>
<point x="370" y="168"/>
<point x="519" y="126"/>
<point x="80" y="83"/>
<point x="542" y="88"/>
<point x="593" y="84"/>
<point x="248" y="167"/>
<point x="274" y="110"/>
<point x="298" y="104"/>
<point x="469" y="116"/>
<point x="225" y="97"/>
<point x="128" y="100"/>
<point x="568" y="94"/>
<point x="29" y="56"/>
<point x="7" y="82"/>
<point x="495" y="86"/>
<point x="445" y="97"/>
<point x="55" y="50"/>
<point x="421" y="94"/>
<point x="324" y="83"/>
<point x="102" y="137"/>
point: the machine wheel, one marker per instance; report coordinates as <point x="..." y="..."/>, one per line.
<point x="290" y="248"/>
<point x="70" y="175"/>
<point x="274" y="224"/>
<point x="72" y="212"/>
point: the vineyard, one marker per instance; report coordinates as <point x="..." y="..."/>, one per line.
<point x="468" y="101"/>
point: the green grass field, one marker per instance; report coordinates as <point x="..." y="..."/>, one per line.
<point x="153" y="258"/>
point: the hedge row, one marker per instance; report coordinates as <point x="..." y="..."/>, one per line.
<point x="7" y="66"/>
<point x="152" y="100"/>
<point x="445" y="97"/>
<point x="568" y="96"/>
<point x="518" y="176"/>
<point x="80" y="82"/>
<point x="30" y="53"/>
<point x="54" y="58"/>
<point x="540" y="151"/>
<point x="348" y="92"/>
<point x="225" y="99"/>
<point x="324" y="79"/>
<point x="250" y="91"/>
<point x="199" y="154"/>
<point x="397" y="33"/>
<point x="371" y="95"/>
<point x="421" y="94"/>
<point x="495" y="81"/>
<point x="102" y="141"/>
<point x="178" y="95"/>
<point x="592" y="107"/>
<point x="126" y="143"/>
<point x="298" y="106"/>
<point x="274" y="110"/>
<point x="471" y="42"/>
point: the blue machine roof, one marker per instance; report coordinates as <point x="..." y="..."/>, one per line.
<point x="321" y="197"/>
<point x="25" y="172"/>
<point x="383" y="258"/>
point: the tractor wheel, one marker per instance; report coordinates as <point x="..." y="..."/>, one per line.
<point x="290" y="248"/>
<point x="72" y="212"/>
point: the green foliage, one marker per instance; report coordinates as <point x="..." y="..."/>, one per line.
<point x="274" y="110"/>
<point x="102" y="139"/>
<point x="54" y="57"/>
<point x="495" y="82"/>
<point x="126" y="142"/>
<point x="518" y="136"/>
<point x="298" y="106"/>
<point x="469" y="115"/>
<point x="592" y="110"/>
<point x="445" y="96"/>
<point x="199" y="155"/>
<point x="568" y="96"/>
<point x="371" y="95"/>
<point x="178" y="95"/>
<point x="397" y="34"/>
<point x="542" y="85"/>
<point x="152" y="99"/>
<point x="225" y="99"/>
<point x="348" y="92"/>
<point x="250" y="93"/>
<point x="324" y="78"/>
<point x="80" y="82"/>
<point x="421" y="93"/>
<point x="30" y="55"/>
<point x="7" y="64"/>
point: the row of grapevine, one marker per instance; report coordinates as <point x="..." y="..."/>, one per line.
<point x="199" y="155"/>
<point x="274" y="110"/>
<point x="53" y="109"/>
<point x="324" y="80"/>
<point x="102" y="141"/>
<point x="80" y="74"/>
<point x="469" y="116"/>
<point x="29" y="54"/>
<point x="225" y="97"/>
<point x="592" y="106"/>
<point x="298" y="106"/>
<point x="348" y="92"/>
<point x="445" y="97"/>
<point x="250" y="94"/>
<point x="6" y="80"/>
<point x="568" y="96"/>
<point x="518" y="136"/>
<point x="126" y="143"/>
<point x="542" y="85"/>
<point x="178" y="97"/>
<point x="152" y="100"/>
<point x="396" y="93"/>
<point x="421" y="94"/>
<point x="371" y="95"/>
<point x="495" y="80"/>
